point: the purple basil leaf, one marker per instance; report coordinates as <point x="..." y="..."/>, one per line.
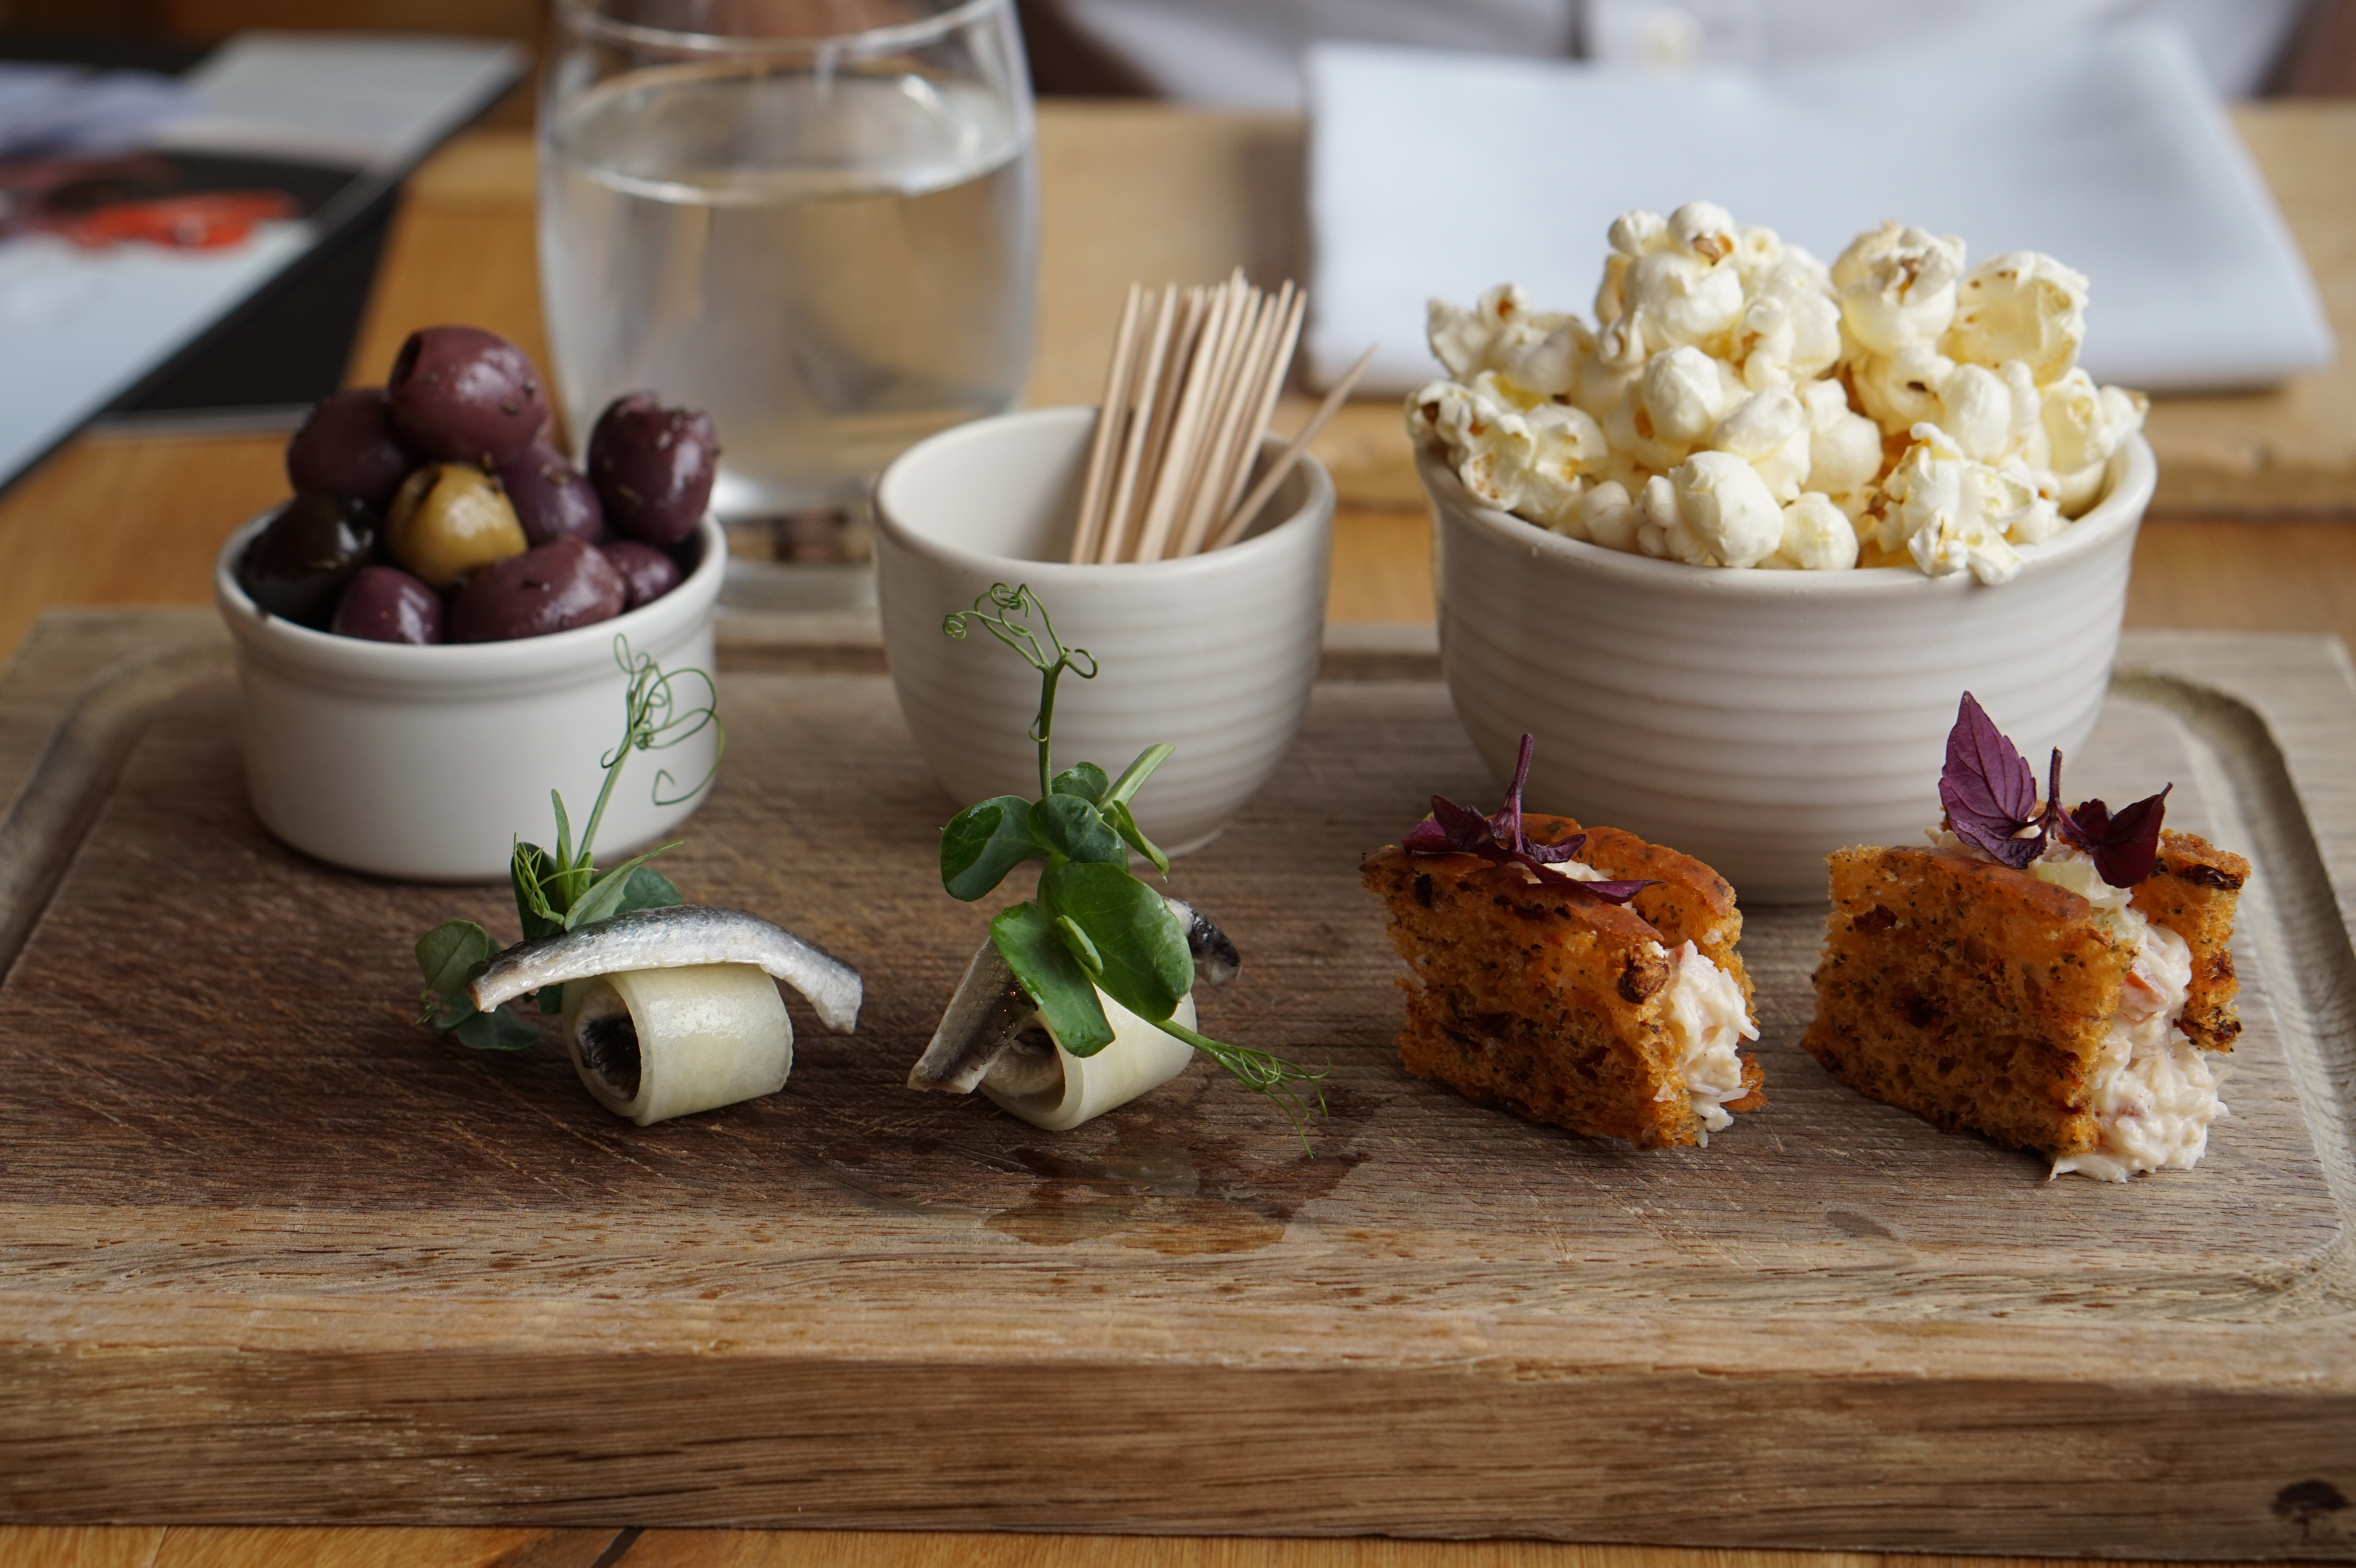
<point x="1617" y="892"/>
<point x="1549" y="854"/>
<point x="1467" y="830"/>
<point x="2125" y="846"/>
<point x="1987" y="788"/>
<point x="1428" y="838"/>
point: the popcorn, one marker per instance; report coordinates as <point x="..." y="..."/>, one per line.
<point x="1843" y="446"/>
<point x="1673" y="284"/>
<point x="1817" y="537"/>
<point x="1673" y="407"/>
<point x="2086" y="424"/>
<point x="1790" y="330"/>
<point x="1565" y="444"/>
<point x="1492" y="445"/>
<point x="2020" y="305"/>
<point x="1769" y="430"/>
<point x="1976" y="410"/>
<point x="1741" y="404"/>
<point x="1609" y="516"/>
<point x="1897" y="287"/>
<point x="1536" y="352"/>
<point x="1952" y="512"/>
<point x="1725" y="516"/>
<point x="1900" y="390"/>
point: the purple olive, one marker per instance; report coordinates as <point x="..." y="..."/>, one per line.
<point x="552" y="589"/>
<point x="297" y="566"/>
<point x="653" y="467"/>
<point x="550" y="497"/>
<point x="385" y="604"/>
<point x="347" y="447"/>
<point x="459" y="394"/>
<point x="650" y="572"/>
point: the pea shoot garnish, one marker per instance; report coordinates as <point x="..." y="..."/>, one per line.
<point x="563" y="890"/>
<point x="1091" y="925"/>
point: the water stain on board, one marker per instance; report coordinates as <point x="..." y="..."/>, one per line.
<point x="1157" y="1191"/>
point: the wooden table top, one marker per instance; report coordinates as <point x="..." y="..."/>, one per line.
<point x="2256" y="495"/>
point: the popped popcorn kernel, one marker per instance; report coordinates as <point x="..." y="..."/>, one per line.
<point x="2020" y="305"/>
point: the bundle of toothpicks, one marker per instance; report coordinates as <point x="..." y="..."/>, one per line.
<point x="1187" y="401"/>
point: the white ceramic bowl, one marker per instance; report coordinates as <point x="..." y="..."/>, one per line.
<point x="429" y="762"/>
<point x="1213" y="653"/>
<point x="1760" y="720"/>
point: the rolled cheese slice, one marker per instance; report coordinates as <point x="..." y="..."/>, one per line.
<point x="651" y="1044"/>
<point x="1140" y="1058"/>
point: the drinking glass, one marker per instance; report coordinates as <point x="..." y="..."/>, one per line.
<point x="815" y="220"/>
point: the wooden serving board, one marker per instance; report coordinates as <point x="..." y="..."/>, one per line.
<point x="269" y="1251"/>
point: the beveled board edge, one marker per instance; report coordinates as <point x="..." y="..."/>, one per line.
<point x="2198" y="1438"/>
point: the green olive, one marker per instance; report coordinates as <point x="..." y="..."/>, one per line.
<point x="450" y="520"/>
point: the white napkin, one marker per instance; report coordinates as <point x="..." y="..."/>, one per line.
<point x="1442" y="174"/>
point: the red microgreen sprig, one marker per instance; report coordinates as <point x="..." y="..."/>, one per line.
<point x="1453" y="830"/>
<point x="1990" y="797"/>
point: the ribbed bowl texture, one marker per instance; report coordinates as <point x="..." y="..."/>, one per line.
<point x="1214" y="653"/>
<point x="1760" y="720"/>
<point x="427" y="763"/>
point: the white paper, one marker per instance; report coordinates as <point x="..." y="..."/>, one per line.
<point x="78" y="326"/>
<point x="1441" y="175"/>
<point x="373" y="101"/>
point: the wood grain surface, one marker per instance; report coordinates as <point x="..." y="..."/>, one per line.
<point x="139" y="521"/>
<point x="269" y="1250"/>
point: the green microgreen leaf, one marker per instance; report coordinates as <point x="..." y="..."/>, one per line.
<point x="1074" y="828"/>
<point x="984" y="842"/>
<point x="1082" y="948"/>
<point x="1144" y="963"/>
<point x="499" y="1029"/>
<point x="649" y="889"/>
<point x="564" y="833"/>
<point x="1124" y="824"/>
<point x="453" y="953"/>
<point x="603" y="899"/>
<point x="1132" y="777"/>
<point x="1053" y="978"/>
<point x="528" y="871"/>
<point x="1083" y="779"/>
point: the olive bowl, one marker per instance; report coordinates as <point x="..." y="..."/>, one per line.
<point x="1760" y="720"/>
<point x="428" y="763"/>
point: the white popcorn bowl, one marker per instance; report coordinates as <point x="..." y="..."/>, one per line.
<point x="1213" y="653"/>
<point x="1760" y="720"/>
<point x="427" y="763"/>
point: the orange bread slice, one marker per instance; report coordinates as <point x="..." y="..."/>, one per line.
<point x="1526" y="992"/>
<point x="1978" y="996"/>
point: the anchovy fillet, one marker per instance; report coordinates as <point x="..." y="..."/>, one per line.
<point x="989" y="1007"/>
<point x="1216" y="958"/>
<point x="675" y="938"/>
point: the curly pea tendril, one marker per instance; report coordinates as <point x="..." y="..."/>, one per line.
<point x="1024" y="640"/>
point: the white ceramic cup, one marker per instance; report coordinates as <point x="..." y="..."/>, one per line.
<point x="429" y="762"/>
<point x="1760" y="720"/>
<point x="1213" y="653"/>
